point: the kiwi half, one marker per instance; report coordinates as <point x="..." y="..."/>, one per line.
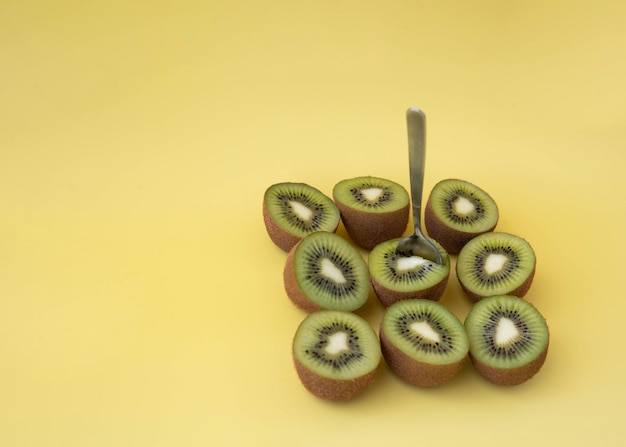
<point x="496" y="264"/>
<point x="336" y="354"/>
<point x="508" y="339"/>
<point x="457" y="211"/>
<point x="396" y="277"/>
<point x="423" y="342"/>
<point x="293" y="210"/>
<point x="324" y="271"/>
<point x="372" y="209"/>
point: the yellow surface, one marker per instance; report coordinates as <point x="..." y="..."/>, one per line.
<point x="141" y="300"/>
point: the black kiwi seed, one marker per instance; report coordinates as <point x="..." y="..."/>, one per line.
<point x="477" y="213"/>
<point x="287" y="212"/>
<point x="342" y="359"/>
<point x="357" y="195"/>
<point x="403" y="324"/>
<point x="324" y="283"/>
<point x="512" y="263"/>
<point x="513" y="348"/>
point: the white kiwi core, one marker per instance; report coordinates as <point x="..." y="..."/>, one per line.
<point x="425" y="330"/>
<point x="463" y="206"/>
<point x="301" y="211"/>
<point x="506" y="332"/>
<point x="331" y="271"/>
<point x="337" y="343"/>
<point x="372" y="194"/>
<point x="409" y="263"/>
<point x="495" y="262"/>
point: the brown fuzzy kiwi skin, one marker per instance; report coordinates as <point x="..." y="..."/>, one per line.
<point x="413" y="371"/>
<point x="388" y="296"/>
<point x="282" y="238"/>
<point x="449" y="238"/>
<point x="512" y="376"/>
<point x="519" y="292"/>
<point x="294" y="292"/>
<point x="333" y="389"/>
<point x="370" y="229"/>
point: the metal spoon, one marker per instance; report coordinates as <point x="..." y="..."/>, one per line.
<point x="417" y="244"/>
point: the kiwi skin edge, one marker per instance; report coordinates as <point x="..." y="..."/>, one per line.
<point x="388" y="297"/>
<point x="413" y="371"/>
<point x="449" y="238"/>
<point x="280" y="237"/>
<point x="369" y="229"/>
<point x="291" y="285"/>
<point x="513" y="376"/>
<point x="333" y="389"/>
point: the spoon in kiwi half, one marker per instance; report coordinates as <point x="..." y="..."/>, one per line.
<point x="417" y="244"/>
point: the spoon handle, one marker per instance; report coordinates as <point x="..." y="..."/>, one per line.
<point x="416" y="125"/>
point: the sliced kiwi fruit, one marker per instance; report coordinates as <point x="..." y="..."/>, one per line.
<point x="508" y="339"/>
<point x="293" y="210"/>
<point x="372" y="209"/>
<point x="496" y="263"/>
<point x="457" y="211"/>
<point x="324" y="271"/>
<point x="336" y="354"/>
<point x="423" y="342"/>
<point x="397" y="277"/>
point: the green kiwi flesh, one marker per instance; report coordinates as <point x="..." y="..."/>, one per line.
<point x="423" y="342"/>
<point x="324" y="271"/>
<point x="396" y="277"/>
<point x="457" y="211"/>
<point x="336" y="354"/>
<point x="372" y="209"/>
<point x="293" y="210"/>
<point x="508" y="338"/>
<point x="496" y="263"/>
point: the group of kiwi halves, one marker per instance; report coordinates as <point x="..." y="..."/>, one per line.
<point x="336" y="352"/>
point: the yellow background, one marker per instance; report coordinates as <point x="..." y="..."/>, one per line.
<point x="141" y="301"/>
